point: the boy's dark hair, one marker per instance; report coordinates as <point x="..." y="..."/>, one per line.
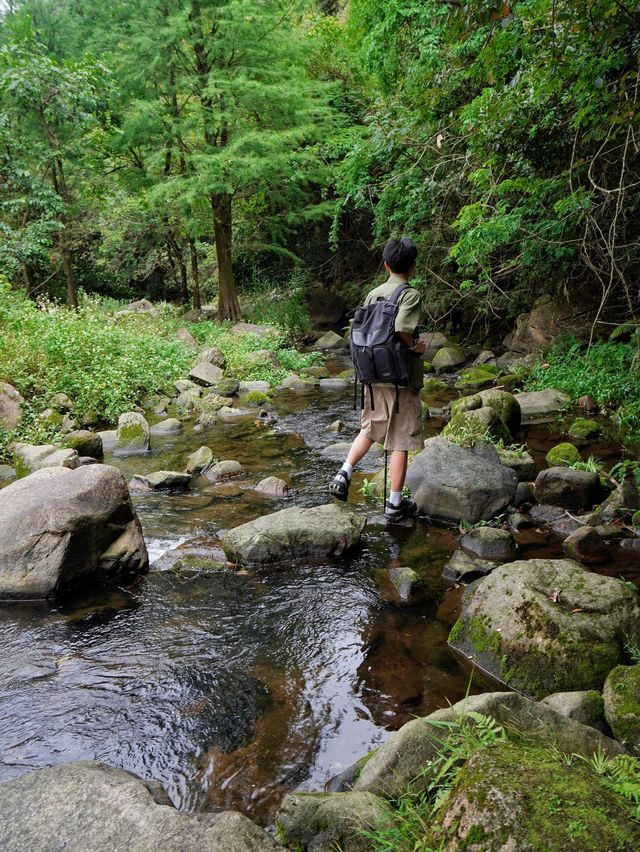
<point x="400" y="255"/>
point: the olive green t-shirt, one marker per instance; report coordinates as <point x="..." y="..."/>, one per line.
<point x="407" y="320"/>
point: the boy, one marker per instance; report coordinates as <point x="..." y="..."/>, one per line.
<point x="399" y="431"/>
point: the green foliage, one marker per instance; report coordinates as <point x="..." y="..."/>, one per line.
<point x="608" y="371"/>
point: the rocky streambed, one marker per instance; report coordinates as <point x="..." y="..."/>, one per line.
<point x="234" y="687"/>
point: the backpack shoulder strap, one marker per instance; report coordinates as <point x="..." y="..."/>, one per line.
<point x="397" y="292"/>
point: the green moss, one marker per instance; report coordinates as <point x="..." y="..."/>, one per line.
<point x="456" y="630"/>
<point x="563" y="455"/>
<point x="198" y="563"/>
<point x="476" y="834"/>
<point x="584" y="429"/>
<point x="593" y="705"/>
<point x="256" y="397"/>
<point x="482" y="638"/>
<point x="624" y="681"/>
<point x="635" y="519"/>
<point x="430" y="387"/>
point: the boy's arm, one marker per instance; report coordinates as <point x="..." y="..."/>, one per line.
<point x="417" y="347"/>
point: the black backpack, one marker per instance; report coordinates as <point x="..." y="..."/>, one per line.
<point x="378" y="353"/>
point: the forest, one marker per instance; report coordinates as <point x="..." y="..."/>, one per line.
<point x="184" y="149"/>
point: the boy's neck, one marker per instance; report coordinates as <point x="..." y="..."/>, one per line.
<point x="404" y="275"/>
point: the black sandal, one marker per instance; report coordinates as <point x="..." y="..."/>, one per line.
<point x="339" y="487"/>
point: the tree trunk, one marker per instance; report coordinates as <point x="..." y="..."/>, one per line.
<point x="228" y="306"/>
<point x="59" y="187"/>
<point x="26" y="277"/>
<point x="194" y="274"/>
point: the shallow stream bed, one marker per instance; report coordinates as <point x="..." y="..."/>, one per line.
<point x="232" y="688"/>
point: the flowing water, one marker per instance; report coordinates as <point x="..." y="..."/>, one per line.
<point x="232" y="688"/>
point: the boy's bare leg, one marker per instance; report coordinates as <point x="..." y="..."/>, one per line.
<point x="359" y="449"/>
<point x="398" y="469"/>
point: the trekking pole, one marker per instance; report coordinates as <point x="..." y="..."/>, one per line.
<point x="384" y="496"/>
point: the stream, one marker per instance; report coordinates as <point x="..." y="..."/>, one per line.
<point x="233" y="688"/>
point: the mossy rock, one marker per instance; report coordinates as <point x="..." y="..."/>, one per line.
<point x="318" y="372"/>
<point x="563" y="455"/>
<point x="346" y="374"/>
<point x="430" y="387"/>
<point x="584" y="430"/>
<point x="257" y="398"/>
<point x="513" y="380"/>
<point x="621" y="695"/>
<point x="477" y="377"/>
<point x="477" y="423"/>
<point x="447" y="359"/>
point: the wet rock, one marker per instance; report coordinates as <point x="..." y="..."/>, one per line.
<point x="161" y="406"/>
<point x="89" y="805"/>
<point x="621" y="696"/>
<point x="622" y="502"/>
<point x="464" y="568"/>
<point x="517" y="522"/>
<point x="502" y="797"/>
<point x="336" y="426"/>
<point x="299" y="382"/>
<point x="132" y="435"/>
<point x="294" y="533"/>
<point x="188" y="400"/>
<point x="586" y="546"/>
<point x="160" y="480"/>
<point x="108" y="438"/>
<point x="586" y="707"/>
<point x="331" y="340"/>
<point x="542" y="513"/>
<point x="562" y="455"/>
<point x="85" y="443"/>
<point x="223" y="470"/>
<point x="225" y="387"/>
<point x="61" y="528"/>
<point x="609" y="532"/>
<point x="29" y="458"/>
<point x="228" y="413"/>
<point x="448" y="358"/>
<point x="523" y="464"/>
<point x="589" y="404"/>
<point x="477" y="377"/>
<point x="272" y="487"/>
<point x="205" y="373"/>
<point x="489" y="543"/>
<point x="324" y="822"/>
<point x="546" y="625"/>
<point x="524" y="494"/>
<point x="401" y="760"/>
<point x="571" y="489"/>
<point x="453" y="482"/>
<point x="504" y="404"/>
<point x="566" y="526"/>
<point x="584" y="430"/>
<point x="171" y="426"/>
<point x="10" y="407"/>
<point x="186" y="337"/>
<point x="6" y="473"/>
<point x="541" y="405"/>
<point x="199" y="460"/>
<point x="333" y="384"/>
<point x="406" y="582"/>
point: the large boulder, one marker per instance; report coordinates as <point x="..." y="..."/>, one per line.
<point x="324" y="822"/>
<point x="566" y="487"/>
<point x="206" y="374"/>
<point x="10" y="407"/>
<point x="132" y="435"/>
<point x="88" y="805"/>
<point x="542" y="405"/>
<point x="534" y="331"/>
<point x="447" y="359"/>
<point x="85" y="443"/>
<point x="331" y="340"/>
<point x="293" y="533"/>
<point x="509" y="797"/>
<point x="453" y="482"/>
<point x="546" y="625"/>
<point x="401" y="761"/>
<point x="60" y="528"/>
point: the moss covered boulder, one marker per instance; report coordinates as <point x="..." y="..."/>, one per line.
<point x="511" y="797"/>
<point x="546" y="625"/>
<point x="504" y="404"/>
<point x="132" y="436"/>
<point x="621" y="695"/>
<point x="478" y="377"/>
<point x="85" y="443"/>
<point x="447" y="359"/>
<point x="430" y="387"/>
<point x="563" y="454"/>
<point x="584" y="430"/>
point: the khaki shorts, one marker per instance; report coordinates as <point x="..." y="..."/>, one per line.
<point x="400" y="430"/>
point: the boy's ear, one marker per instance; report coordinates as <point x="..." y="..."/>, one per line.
<point x="386" y="266"/>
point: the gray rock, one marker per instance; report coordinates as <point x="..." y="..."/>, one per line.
<point x="524" y="494"/>
<point x="132" y="435"/>
<point x="264" y="356"/>
<point x="10" y="407"/>
<point x="586" y="546"/>
<point x="334" y="384"/>
<point x="324" y="822"/>
<point x="294" y="533"/>
<point x="7" y="472"/>
<point x="523" y="464"/>
<point x="489" y="543"/>
<point x="571" y="489"/>
<point x="61" y="402"/>
<point x="205" y="374"/>
<point x="463" y="568"/>
<point x="108" y="438"/>
<point x="223" y="470"/>
<point x="586" y="707"/>
<point x="518" y="521"/>
<point x="225" y="387"/>
<point x="542" y="513"/>
<point x="181" y="385"/>
<point x="448" y="358"/>
<point x="609" y="532"/>
<point x="406" y="582"/>
<point x="294" y="382"/>
<point x="336" y="426"/>
<point x="544" y="404"/>
<point x="199" y="460"/>
<point x="88" y="805"/>
<point x="400" y="762"/>
<point x="212" y="355"/>
<point x="546" y="625"/>
<point x="622" y="502"/>
<point x="316" y="371"/>
<point x="160" y="480"/>
<point x="61" y="528"/>
<point x="452" y="482"/>
<point x="29" y="458"/>
<point x="171" y="426"/>
<point x="85" y="443"/>
<point x="257" y="385"/>
<point x="188" y="400"/>
<point x="259" y="331"/>
<point x="186" y="337"/>
<point x="331" y="340"/>
<point x="272" y="487"/>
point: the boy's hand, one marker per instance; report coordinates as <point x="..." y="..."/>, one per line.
<point x="419" y="347"/>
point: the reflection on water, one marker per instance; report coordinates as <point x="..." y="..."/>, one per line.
<point x="234" y="688"/>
